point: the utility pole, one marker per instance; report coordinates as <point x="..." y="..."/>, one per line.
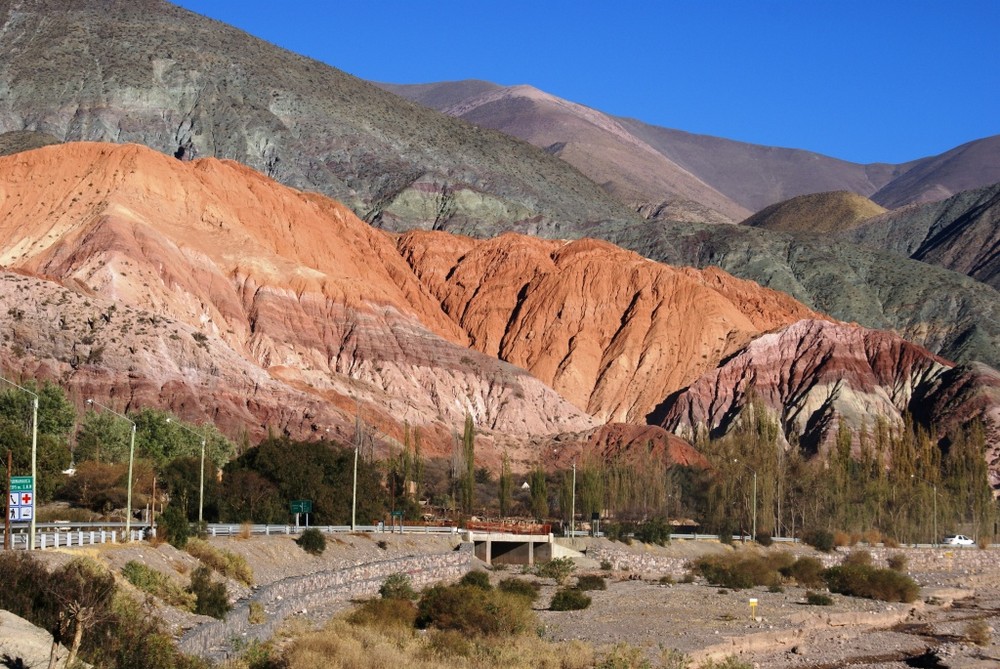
<point x="131" y="460"/>
<point x="357" y="447"/>
<point x="6" y="526"/>
<point x="572" y="515"/>
<point x="34" y="461"/>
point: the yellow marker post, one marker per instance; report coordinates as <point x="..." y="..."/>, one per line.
<point x="753" y="608"/>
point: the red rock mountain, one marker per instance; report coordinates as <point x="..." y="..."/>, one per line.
<point x="207" y="288"/>
<point x="814" y="373"/>
<point x="612" y="332"/>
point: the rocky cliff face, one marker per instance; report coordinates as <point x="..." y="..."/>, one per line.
<point x="611" y="331"/>
<point x="961" y="233"/>
<point x="152" y="73"/>
<point x="814" y="374"/>
<point x="207" y="287"/>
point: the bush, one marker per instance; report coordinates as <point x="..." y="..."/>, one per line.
<point x="569" y="599"/>
<point x="764" y="539"/>
<point x="619" y="532"/>
<point x="257" y="615"/>
<point x="653" y="531"/>
<point x="157" y="584"/>
<point x="729" y="662"/>
<point x="978" y="632"/>
<point x="312" y="541"/>
<point x="841" y="539"/>
<point x="558" y="569"/>
<point x="821" y="540"/>
<point x="818" y="598"/>
<point x="227" y="563"/>
<point x="605" y="565"/>
<point x="737" y="571"/>
<point x="775" y="589"/>
<point x="472" y="610"/>
<point x="397" y="586"/>
<point x="591" y="582"/>
<point x="865" y="581"/>
<point x="210" y="598"/>
<point x="861" y="558"/>
<point x="897" y="562"/>
<point x="807" y="572"/>
<point x="666" y="579"/>
<point x="521" y="588"/>
<point x="476" y="579"/>
<point x="175" y="525"/>
<point x="389" y="613"/>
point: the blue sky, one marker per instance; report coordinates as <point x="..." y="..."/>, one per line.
<point x="871" y="81"/>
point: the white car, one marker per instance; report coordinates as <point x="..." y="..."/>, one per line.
<point x="958" y="540"/>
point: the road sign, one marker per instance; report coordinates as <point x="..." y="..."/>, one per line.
<point x="22" y="494"/>
<point x="22" y="484"/>
<point x="301" y="506"/>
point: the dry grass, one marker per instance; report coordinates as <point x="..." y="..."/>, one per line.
<point x="246" y="531"/>
<point x="341" y="645"/>
<point x="225" y="562"/>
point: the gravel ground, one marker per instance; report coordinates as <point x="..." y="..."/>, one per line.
<point x="695" y="618"/>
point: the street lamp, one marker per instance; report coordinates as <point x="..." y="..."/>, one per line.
<point x="131" y="459"/>
<point x="572" y="513"/>
<point x="201" y="482"/>
<point x="34" y="458"/>
<point x="934" y="487"/>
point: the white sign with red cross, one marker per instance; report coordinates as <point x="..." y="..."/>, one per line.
<point x="21" y="498"/>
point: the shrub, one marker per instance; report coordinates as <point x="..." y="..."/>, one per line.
<point x="476" y="579"/>
<point x="841" y="539"/>
<point x="451" y="643"/>
<point x="897" y="562"/>
<point x="176" y="527"/>
<point x="775" y="589"/>
<point x="807" y="572"/>
<point x="558" y="569"/>
<point x="861" y="558"/>
<point x="246" y="530"/>
<point x="653" y="531"/>
<point x="471" y="610"/>
<point x="764" y="539"/>
<point x="821" y="540"/>
<point x="157" y="584"/>
<point x="818" y="598"/>
<point x="256" y="616"/>
<point x="889" y="542"/>
<point x="397" y="586"/>
<point x="569" y="599"/>
<point x="591" y="582"/>
<point x="227" y="563"/>
<point x="521" y="588"/>
<point x="210" y="598"/>
<point x="619" y="532"/>
<point x="978" y="632"/>
<point x="666" y="579"/>
<point x="737" y="571"/>
<point x="312" y="541"/>
<point x="624" y="656"/>
<point x="384" y="613"/>
<point x="865" y="581"/>
<point x="605" y="565"/>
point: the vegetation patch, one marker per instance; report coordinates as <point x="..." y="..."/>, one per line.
<point x="519" y="587"/>
<point x="157" y="584"/>
<point x="866" y="581"/>
<point x="227" y="563"/>
<point x="569" y="599"/>
<point x="476" y="579"/>
<point x="384" y="613"/>
<point x="558" y="569"/>
<point x="312" y="541"/>
<point x="210" y="597"/>
<point x="397" y="586"/>
<point x="591" y="582"/>
<point x="474" y="611"/>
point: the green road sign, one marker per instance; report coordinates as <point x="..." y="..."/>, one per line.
<point x="301" y="506"/>
<point x="22" y="484"/>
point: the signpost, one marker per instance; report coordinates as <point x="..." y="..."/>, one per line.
<point x="298" y="506"/>
<point x="22" y="498"/>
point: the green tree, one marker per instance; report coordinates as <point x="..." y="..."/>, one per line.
<point x="469" y="458"/>
<point x="505" y="488"/>
<point x="539" y="493"/>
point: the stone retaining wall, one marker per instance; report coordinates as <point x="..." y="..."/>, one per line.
<point x="302" y="594"/>
<point x="969" y="560"/>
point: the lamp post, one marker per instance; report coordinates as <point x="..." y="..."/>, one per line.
<point x="34" y="458"/>
<point x="201" y="480"/>
<point x="934" y="488"/>
<point x="131" y="459"/>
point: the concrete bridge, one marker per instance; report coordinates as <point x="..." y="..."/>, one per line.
<point x="500" y="547"/>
